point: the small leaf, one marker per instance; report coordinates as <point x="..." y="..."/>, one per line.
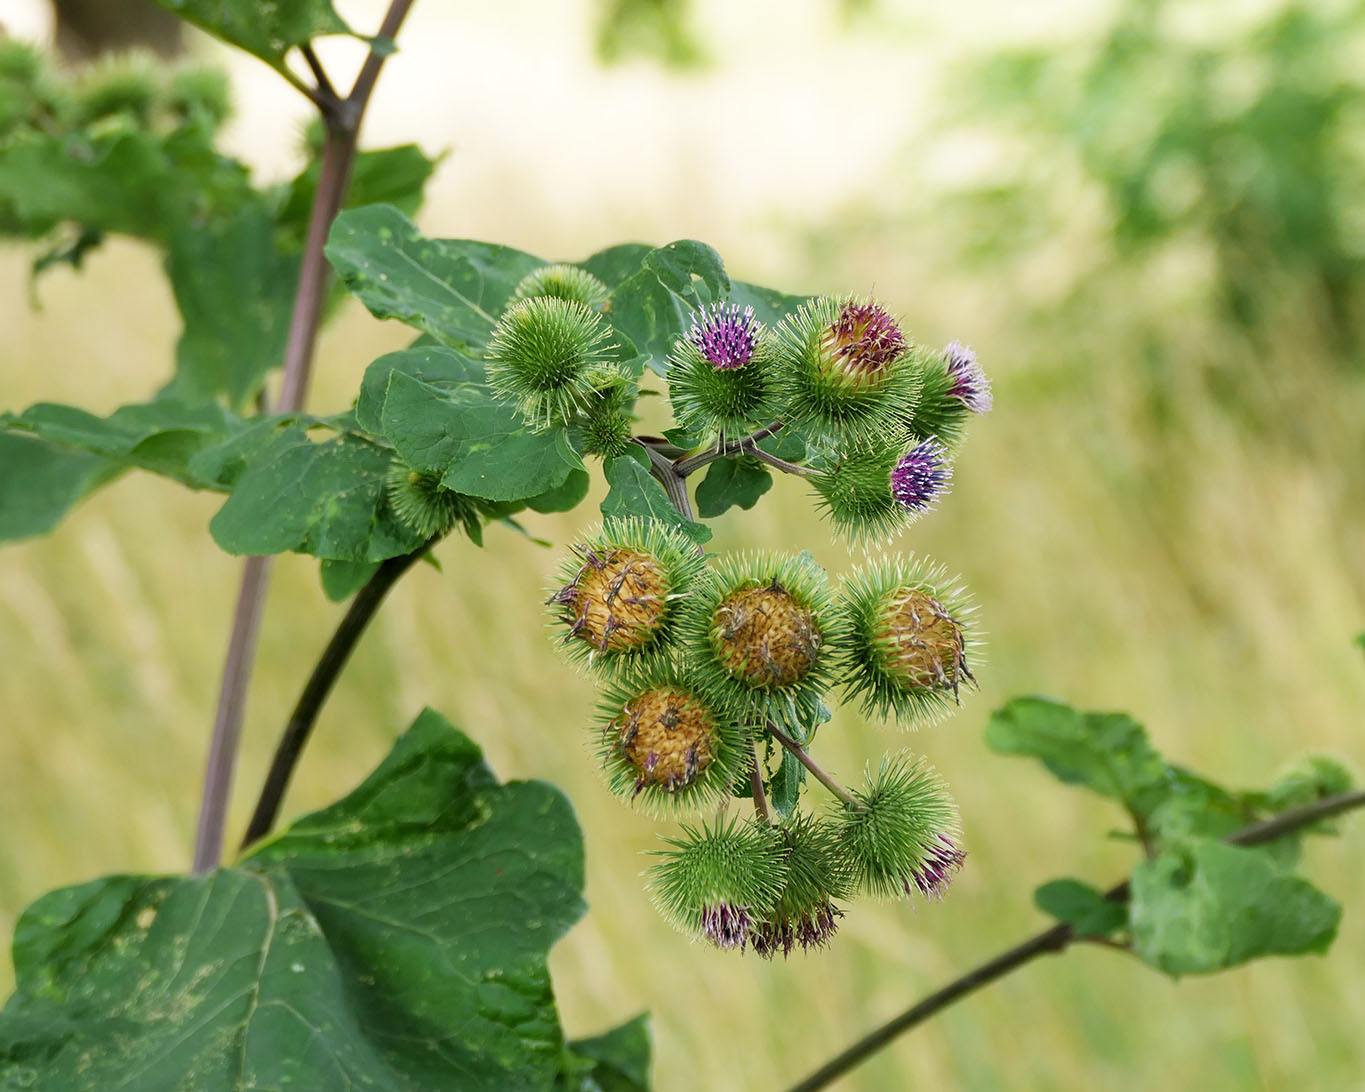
<point x="267" y="28"/>
<point x="1106" y="752"/>
<point x="617" y="263"/>
<point x="342" y="579"/>
<point x="321" y="497"/>
<point x="654" y="306"/>
<point x="438" y="367"/>
<point x="564" y="497"/>
<point x="732" y="483"/>
<point x="452" y="289"/>
<point x="1205" y="905"/>
<point x="769" y="306"/>
<point x="617" y="1061"/>
<point x="784" y="786"/>
<point x="1083" y="907"/>
<point x="389" y="176"/>
<point x="40" y="483"/>
<point x="634" y="492"/>
<point x="479" y="446"/>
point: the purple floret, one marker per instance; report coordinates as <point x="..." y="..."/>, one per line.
<point x="726" y="926"/>
<point x="970" y="385"/>
<point x="921" y="476"/>
<point x="725" y="336"/>
<point x="937" y="870"/>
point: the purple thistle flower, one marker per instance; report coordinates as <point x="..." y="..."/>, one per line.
<point x="921" y="476"/>
<point x="864" y="339"/>
<point x="970" y="385"/>
<point x="726" y="926"/>
<point x="724" y="335"/>
<point x="936" y="871"/>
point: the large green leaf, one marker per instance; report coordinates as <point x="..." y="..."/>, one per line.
<point x="731" y="483"/>
<point x="634" y="492"/>
<point x="452" y="289"/>
<point x="438" y="367"/>
<point x="654" y="306"/>
<point x="267" y="28"/>
<point x="162" y="436"/>
<point x="396" y="942"/>
<point x="479" y="446"/>
<point x="296" y="492"/>
<point x="40" y="482"/>
<point x="1204" y="905"/>
<point x="1106" y="752"/>
<point x="235" y="290"/>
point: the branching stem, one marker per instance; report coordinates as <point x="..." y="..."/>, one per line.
<point x="342" y="124"/>
<point x="745" y="445"/>
<point x="816" y="770"/>
<point x="1055" y="939"/>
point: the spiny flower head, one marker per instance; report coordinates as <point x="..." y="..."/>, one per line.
<point x="806" y="913"/>
<point x="903" y="835"/>
<point x="725" y="336"/>
<point x="565" y="282"/>
<point x="619" y="591"/>
<point x="921" y="476"/>
<point x="970" y="385"/>
<point x="548" y="356"/>
<point x="664" y="744"/>
<point x="909" y="633"/>
<point x="720" y="376"/>
<point x="758" y="632"/>
<point x="845" y="369"/>
<point x="425" y="506"/>
<point x="862" y="341"/>
<point x="716" y="881"/>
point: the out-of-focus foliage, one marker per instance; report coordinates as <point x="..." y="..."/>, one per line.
<point x="1237" y="143"/>
<point x="657" y="29"/>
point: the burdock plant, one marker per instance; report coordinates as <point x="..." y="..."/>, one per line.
<point x="721" y="375"/>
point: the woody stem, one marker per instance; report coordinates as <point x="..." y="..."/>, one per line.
<point x="815" y="769"/>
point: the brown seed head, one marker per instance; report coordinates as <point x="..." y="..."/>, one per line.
<point x="764" y="637"/>
<point x="666" y="735"/>
<point x="920" y="643"/>
<point x="617" y="601"/>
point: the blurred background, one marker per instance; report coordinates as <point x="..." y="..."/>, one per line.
<point x="1149" y="220"/>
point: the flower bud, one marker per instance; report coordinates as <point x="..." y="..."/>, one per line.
<point x="664" y="744"/>
<point x="872" y="492"/>
<point x="717" y="881"/>
<point x="909" y="632"/>
<point x="720" y="375"/>
<point x="425" y="506"/>
<point x="563" y="282"/>
<point x="845" y="369"/>
<point x="548" y="356"/>
<point x="805" y="913"/>
<point x="952" y="387"/>
<point x="619" y="591"/>
<point x="758" y="632"/>
<point x="903" y="836"/>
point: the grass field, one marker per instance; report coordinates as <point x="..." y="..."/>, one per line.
<point x="1203" y="577"/>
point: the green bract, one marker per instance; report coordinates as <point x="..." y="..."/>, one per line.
<point x="547" y="357"/>
<point x="805" y="913"/>
<point x="718" y="881"/>
<point x="854" y="491"/>
<point x="565" y="282"/>
<point x="665" y="745"/>
<point x="425" y="506"/>
<point x="619" y="591"/>
<point x="729" y="399"/>
<point x="903" y="836"/>
<point x="758" y="635"/>
<point x="844" y="368"/>
<point x="939" y="411"/>
<point x="909" y="638"/>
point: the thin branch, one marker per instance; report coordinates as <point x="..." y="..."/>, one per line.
<point x="816" y="771"/>
<point x="744" y="445"/>
<point x="325" y="88"/>
<point x="342" y="127"/>
<point x="761" y="808"/>
<point x="319" y="686"/>
<point x="780" y="464"/>
<point x="1055" y="939"/>
<point x="310" y="93"/>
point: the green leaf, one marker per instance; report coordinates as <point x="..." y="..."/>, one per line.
<point x="732" y="483"/>
<point x="437" y="367"/>
<point x="617" y="1061"/>
<point x="479" y="446"/>
<point x="769" y="306"/>
<point x="784" y="786"/>
<point x="634" y="492"/>
<point x="389" y="176"/>
<point x="452" y="289"/>
<point x="342" y="579"/>
<point x="40" y="483"/>
<point x="395" y="941"/>
<point x="654" y="306"/>
<point x="565" y="497"/>
<point x="1106" y="752"/>
<point x="1205" y="905"/>
<point x="617" y="263"/>
<point x="235" y="291"/>
<point x="1083" y="907"/>
<point x="324" y="497"/>
<point x="267" y="28"/>
<point x="162" y="436"/>
<point x="1360" y="640"/>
